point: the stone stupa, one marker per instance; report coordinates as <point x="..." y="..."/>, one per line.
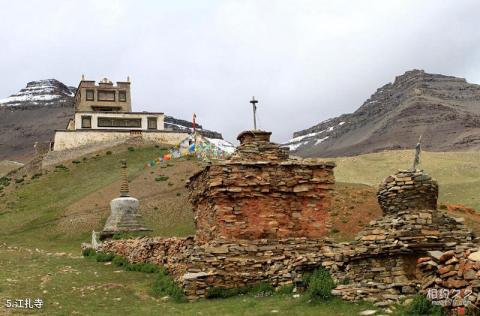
<point x="124" y="217"/>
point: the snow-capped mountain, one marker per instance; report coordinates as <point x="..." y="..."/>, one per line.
<point x="43" y="92"/>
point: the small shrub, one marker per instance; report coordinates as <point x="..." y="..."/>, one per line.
<point x="422" y="306"/>
<point x="76" y="161"/>
<point x="120" y="261"/>
<point x="346" y="281"/>
<point x="161" y="178"/>
<point x="169" y="164"/>
<point x="104" y="257"/>
<point x="443" y="207"/>
<point x="164" y="285"/>
<point x="170" y="184"/>
<point x="335" y="230"/>
<point x="262" y="289"/>
<point x="61" y="167"/>
<point x="320" y="285"/>
<point x="220" y="292"/>
<point x="84" y="158"/>
<point x="108" y="153"/>
<point x="285" y="289"/>
<point x="179" y="194"/>
<point x="36" y="176"/>
<point x="143" y="267"/>
<point x="131" y="149"/>
<point x="20" y="180"/>
<point x="89" y="252"/>
<point x="5" y="181"/>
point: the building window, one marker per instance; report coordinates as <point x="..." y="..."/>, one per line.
<point x="152" y="123"/>
<point x="90" y="95"/>
<point x="118" y="122"/>
<point x="86" y="122"/>
<point x="122" y="96"/>
<point x="105" y="95"/>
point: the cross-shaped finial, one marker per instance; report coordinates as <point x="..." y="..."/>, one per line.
<point x="254" y="104"/>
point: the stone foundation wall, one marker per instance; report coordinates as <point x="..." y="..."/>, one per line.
<point x="408" y="190"/>
<point x="229" y="264"/>
<point x="254" y="200"/>
<point x="380" y="266"/>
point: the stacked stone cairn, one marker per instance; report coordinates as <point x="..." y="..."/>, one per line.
<point x="408" y="189"/>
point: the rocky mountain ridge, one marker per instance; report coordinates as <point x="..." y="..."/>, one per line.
<point x="48" y="92"/>
<point x="36" y="111"/>
<point x="445" y="110"/>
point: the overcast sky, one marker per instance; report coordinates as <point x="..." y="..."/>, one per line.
<point x="305" y="61"/>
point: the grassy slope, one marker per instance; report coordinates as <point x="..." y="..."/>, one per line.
<point x="31" y="217"/>
<point x="7" y="166"/>
<point x="458" y="173"/>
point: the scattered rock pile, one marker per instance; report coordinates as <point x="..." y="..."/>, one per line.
<point x="452" y="278"/>
<point x="408" y="189"/>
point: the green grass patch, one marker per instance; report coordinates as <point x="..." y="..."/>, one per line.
<point x="161" y="178"/>
<point x="260" y="289"/>
<point x="5" y="181"/>
<point x="422" y="306"/>
<point x="164" y="285"/>
<point x="319" y="285"/>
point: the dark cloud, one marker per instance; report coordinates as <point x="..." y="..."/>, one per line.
<point x="304" y="60"/>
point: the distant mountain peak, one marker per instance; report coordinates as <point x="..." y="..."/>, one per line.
<point x="445" y="109"/>
<point x="46" y="92"/>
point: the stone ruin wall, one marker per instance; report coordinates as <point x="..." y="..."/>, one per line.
<point x="381" y="262"/>
<point x="228" y="264"/>
<point x="255" y="200"/>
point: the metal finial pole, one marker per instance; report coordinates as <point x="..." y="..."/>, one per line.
<point x="418" y="150"/>
<point x="124" y="187"/>
<point x="254" y="105"/>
